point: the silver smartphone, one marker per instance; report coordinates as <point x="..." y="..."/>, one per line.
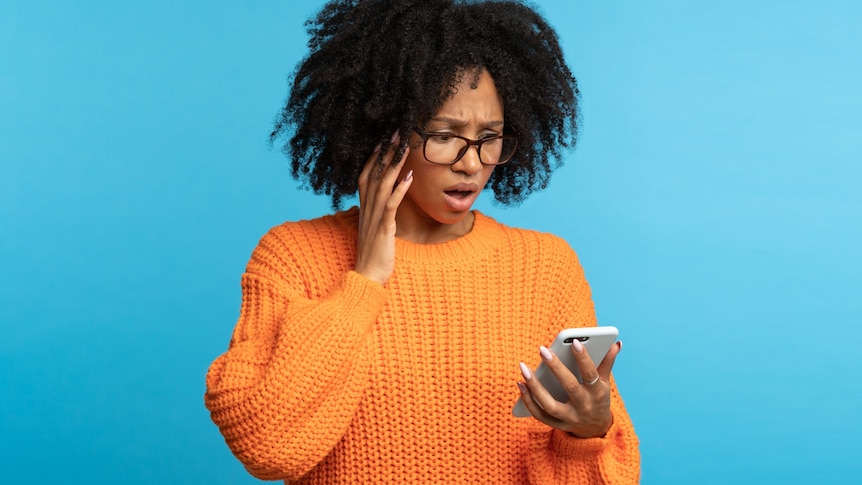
<point x="596" y="340"/>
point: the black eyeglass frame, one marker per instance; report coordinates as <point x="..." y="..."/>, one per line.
<point x="477" y="143"/>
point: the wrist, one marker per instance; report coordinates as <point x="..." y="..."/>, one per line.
<point x="599" y="431"/>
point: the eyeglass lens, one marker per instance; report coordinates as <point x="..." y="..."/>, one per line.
<point x="448" y="149"/>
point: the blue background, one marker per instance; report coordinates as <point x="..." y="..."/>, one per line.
<point x="714" y="201"/>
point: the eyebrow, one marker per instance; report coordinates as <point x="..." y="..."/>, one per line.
<point x="455" y="123"/>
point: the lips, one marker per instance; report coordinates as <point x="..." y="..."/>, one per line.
<point x="458" y="194"/>
<point x="462" y="188"/>
<point x="460" y="197"/>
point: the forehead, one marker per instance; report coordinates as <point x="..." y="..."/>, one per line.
<point x="473" y="96"/>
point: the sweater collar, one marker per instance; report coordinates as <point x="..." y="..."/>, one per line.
<point x="479" y="243"/>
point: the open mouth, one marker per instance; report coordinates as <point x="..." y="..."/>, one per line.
<point x="459" y="194"/>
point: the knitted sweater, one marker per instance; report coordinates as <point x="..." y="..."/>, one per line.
<point x="331" y="378"/>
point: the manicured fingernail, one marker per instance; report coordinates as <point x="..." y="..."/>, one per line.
<point x="522" y="387"/>
<point x="620" y="343"/>
<point x="546" y="354"/>
<point x="576" y="344"/>
<point x="393" y="137"/>
<point x="525" y="371"/>
<point x="377" y="148"/>
<point x="408" y="176"/>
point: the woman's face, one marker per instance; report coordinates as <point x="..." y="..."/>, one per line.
<point x="437" y="206"/>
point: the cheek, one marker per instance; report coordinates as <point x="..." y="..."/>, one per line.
<point x="413" y="162"/>
<point x="487" y="172"/>
<point x="407" y="166"/>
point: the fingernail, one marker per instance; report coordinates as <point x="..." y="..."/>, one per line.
<point x="393" y="137"/>
<point x="377" y="148"/>
<point x="576" y="344"/>
<point x="546" y="354"/>
<point x="525" y="371"/>
<point x="620" y="343"/>
<point x="408" y="176"/>
<point x="522" y="387"/>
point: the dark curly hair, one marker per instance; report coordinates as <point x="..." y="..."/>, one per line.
<point x="376" y="66"/>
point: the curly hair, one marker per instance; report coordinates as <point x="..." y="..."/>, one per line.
<point x="376" y="66"/>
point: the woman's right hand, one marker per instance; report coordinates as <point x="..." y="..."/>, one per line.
<point x="379" y="197"/>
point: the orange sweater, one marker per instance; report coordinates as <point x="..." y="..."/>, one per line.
<point x="332" y="378"/>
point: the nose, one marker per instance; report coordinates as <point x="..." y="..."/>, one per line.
<point x="469" y="163"/>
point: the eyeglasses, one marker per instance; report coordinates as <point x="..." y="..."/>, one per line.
<point x="447" y="149"/>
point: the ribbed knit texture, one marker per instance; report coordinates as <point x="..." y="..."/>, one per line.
<point x="331" y="378"/>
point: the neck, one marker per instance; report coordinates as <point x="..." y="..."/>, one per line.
<point x="429" y="231"/>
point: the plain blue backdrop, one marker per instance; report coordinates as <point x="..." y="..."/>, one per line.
<point x="713" y="199"/>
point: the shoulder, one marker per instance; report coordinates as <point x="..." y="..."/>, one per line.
<point x="542" y="261"/>
<point x="331" y="232"/>
<point x="312" y="241"/>
<point x="322" y="226"/>
<point x="530" y="243"/>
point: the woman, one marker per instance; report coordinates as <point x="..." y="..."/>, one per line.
<point x="384" y="343"/>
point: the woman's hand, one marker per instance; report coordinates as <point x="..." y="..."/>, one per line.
<point x="379" y="197"/>
<point x="587" y="414"/>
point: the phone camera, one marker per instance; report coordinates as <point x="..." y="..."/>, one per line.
<point x="569" y="340"/>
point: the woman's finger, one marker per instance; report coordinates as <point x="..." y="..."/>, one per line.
<point x="540" y="396"/>
<point x="383" y="177"/>
<point x="393" y="161"/>
<point x="589" y="373"/>
<point x="365" y="175"/>
<point x="608" y="362"/>
<point x="398" y="193"/>
<point x="535" y="410"/>
<point x="563" y="374"/>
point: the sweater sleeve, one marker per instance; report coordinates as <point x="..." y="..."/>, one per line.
<point x="559" y="458"/>
<point x="556" y="457"/>
<point x="286" y="389"/>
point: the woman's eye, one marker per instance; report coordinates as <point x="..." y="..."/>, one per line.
<point x="441" y="138"/>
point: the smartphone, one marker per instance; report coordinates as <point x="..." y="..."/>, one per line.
<point x="596" y="340"/>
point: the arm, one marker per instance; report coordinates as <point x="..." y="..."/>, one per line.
<point x="286" y="389"/>
<point x="608" y="452"/>
<point x="557" y="457"/>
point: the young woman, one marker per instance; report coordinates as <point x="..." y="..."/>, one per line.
<point x="387" y="343"/>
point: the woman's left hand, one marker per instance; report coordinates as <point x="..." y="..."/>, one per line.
<point x="587" y="414"/>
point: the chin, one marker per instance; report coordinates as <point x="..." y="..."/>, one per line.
<point x="449" y="218"/>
